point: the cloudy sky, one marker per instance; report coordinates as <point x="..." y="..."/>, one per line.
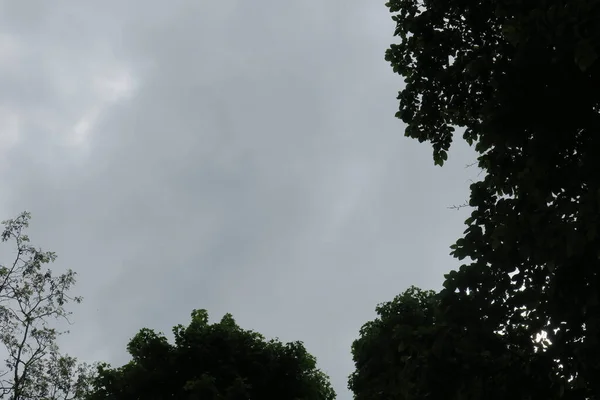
<point x="231" y="155"/>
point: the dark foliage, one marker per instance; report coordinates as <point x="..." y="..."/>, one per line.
<point x="213" y="361"/>
<point x="522" y="78"/>
<point x="413" y="351"/>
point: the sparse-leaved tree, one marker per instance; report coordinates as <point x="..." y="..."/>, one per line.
<point x="31" y="297"/>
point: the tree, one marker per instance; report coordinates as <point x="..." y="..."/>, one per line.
<point x="522" y="78"/>
<point x="383" y="354"/>
<point x="213" y="361"/>
<point x="411" y="352"/>
<point x="29" y="298"/>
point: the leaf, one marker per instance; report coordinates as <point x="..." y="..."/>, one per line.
<point x="585" y="54"/>
<point x="496" y="243"/>
<point x="592" y="232"/>
<point x="511" y="34"/>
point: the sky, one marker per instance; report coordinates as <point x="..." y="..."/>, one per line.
<point x="235" y="156"/>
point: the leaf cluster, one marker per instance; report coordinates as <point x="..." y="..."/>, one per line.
<point x="522" y="80"/>
<point x="213" y="361"/>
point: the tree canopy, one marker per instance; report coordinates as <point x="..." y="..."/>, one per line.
<point x="213" y="361"/>
<point x="411" y="351"/>
<point x="520" y="318"/>
<point x="522" y="78"/>
<point x="384" y="350"/>
<point x="31" y="299"/>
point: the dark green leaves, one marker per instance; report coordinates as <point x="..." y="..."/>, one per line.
<point x="412" y="351"/>
<point x="213" y="361"/>
<point x="390" y="348"/>
<point x="585" y="54"/>
<point x="522" y="78"/>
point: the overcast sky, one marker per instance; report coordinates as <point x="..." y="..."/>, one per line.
<point x="239" y="156"/>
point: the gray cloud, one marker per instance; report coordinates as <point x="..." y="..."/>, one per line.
<point x="231" y="156"/>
